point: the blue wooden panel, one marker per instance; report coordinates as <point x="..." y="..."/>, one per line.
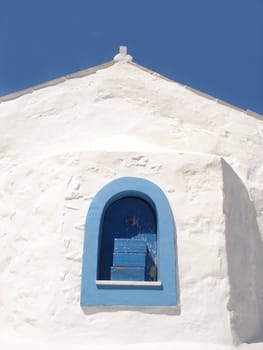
<point x="129" y="259"/>
<point x="129" y="246"/>
<point x="151" y="259"/>
<point x="120" y="273"/>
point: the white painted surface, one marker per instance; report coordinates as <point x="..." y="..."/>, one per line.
<point x="128" y="283"/>
<point x="61" y="144"/>
<point x="122" y="56"/>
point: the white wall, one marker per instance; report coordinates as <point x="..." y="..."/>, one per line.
<point x="62" y="143"/>
<point x="47" y="204"/>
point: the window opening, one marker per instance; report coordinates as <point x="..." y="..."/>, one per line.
<point x="128" y="247"/>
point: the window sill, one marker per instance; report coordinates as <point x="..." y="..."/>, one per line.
<point x="128" y="283"/>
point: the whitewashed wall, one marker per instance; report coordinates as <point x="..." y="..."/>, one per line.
<point x="62" y="143"/>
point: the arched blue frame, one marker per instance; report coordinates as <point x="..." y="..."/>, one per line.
<point x="161" y="292"/>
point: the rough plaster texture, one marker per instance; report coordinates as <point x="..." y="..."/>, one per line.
<point x="61" y="144"/>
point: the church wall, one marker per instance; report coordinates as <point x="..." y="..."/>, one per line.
<point x="62" y="143"/>
<point x="43" y="226"/>
<point x="124" y="107"/>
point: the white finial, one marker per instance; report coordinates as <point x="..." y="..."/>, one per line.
<point x="122" y="56"/>
<point x="123" y="50"/>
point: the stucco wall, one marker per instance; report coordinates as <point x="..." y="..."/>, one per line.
<point x="124" y="107"/>
<point x="62" y="143"/>
<point x="47" y="203"/>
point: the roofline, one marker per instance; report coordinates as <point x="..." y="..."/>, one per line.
<point x="203" y="94"/>
<point x="56" y="81"/>
<point x="94" y="69"/>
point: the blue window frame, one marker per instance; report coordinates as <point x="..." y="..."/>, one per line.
<point x="129" y="255"/>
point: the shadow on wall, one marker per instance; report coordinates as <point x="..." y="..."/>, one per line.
<point x="244" y="250"/>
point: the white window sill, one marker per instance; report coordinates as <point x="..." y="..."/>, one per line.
<point x="128" y="283"/>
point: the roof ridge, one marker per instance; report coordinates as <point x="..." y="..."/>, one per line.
<point x="94" y="69"/>
<point x="201" y="93"/>
<point x="79" y="74"/>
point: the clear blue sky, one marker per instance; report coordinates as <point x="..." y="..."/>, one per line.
<point x="215" y="46"/>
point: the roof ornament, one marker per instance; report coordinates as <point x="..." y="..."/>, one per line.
<point x="122" y="56"/>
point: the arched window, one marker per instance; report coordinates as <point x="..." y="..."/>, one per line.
<point x="129" y="246"/>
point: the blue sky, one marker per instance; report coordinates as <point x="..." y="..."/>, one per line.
<point x="215" y="46"/>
